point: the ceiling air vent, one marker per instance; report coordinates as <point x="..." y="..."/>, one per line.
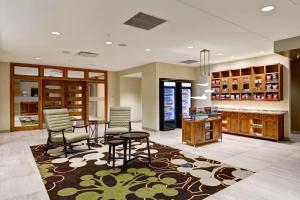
<point x="144" y="21"/>
<point x="87" y="54"/>
<point x="189" y="61"/>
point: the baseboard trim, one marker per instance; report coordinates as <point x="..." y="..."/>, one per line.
<point x="295" y="132"/>
<point x="149" y="129"/>
<point x="4" y="131"/>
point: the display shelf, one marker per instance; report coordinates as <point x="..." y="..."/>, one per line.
<point x="253" y="83"/>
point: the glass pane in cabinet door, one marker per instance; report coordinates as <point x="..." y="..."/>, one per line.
<point x="26" y="71"/>
<point x="26" y="107"/>
<point x="97" y="75"/>
<point x="48" y="72"/>
<point x="75" y="74"/>
<point x="97" y="101"/>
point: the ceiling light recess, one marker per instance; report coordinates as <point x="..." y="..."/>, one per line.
<point x="190" y="47"/>
<point x="109" y="42"/>
<point x="55" y="33"/>
<point x="147" y="49"/>
<point x="38" y="58"/>
<point x="267" y="8"/>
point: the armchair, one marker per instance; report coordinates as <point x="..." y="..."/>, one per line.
<point x="119" y="122"/>
<point x="60" y="129"/>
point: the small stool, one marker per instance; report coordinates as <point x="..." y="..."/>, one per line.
<point x="112" y="144"/>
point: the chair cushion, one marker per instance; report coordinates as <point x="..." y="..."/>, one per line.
<point x="116" y="130"/>
<point x="70" y="137"/>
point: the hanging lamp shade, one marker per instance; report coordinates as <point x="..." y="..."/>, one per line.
<point x="204" y="69"/>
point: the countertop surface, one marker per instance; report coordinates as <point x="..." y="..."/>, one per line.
<point x="258" y="111"/>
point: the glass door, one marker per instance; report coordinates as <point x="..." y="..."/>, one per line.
<point x="25" y="104"/>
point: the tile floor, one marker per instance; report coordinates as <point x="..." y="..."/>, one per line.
<point x="277" y="165"/>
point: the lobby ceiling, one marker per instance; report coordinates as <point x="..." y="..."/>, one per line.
<point x="231" y="29"/>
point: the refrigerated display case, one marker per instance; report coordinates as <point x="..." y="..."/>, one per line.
<point x="184" y="102"/>
<point x="167" y="105"/>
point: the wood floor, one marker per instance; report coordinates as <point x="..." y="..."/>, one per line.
<point x="277" y="165"/>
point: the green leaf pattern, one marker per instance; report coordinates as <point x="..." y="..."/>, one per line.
<point x="94" y="186"/>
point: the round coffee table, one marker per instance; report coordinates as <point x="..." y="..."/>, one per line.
<point x="135" y="135"/>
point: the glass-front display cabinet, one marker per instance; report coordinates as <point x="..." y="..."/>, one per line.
<point x="35" y="88"/>
<point x="26" y="109"/>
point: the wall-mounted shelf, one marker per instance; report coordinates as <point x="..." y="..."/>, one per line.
<point x="258" y="83"/>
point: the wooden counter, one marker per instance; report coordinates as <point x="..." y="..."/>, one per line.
<point x="266" y="125"/>
<point x="197" y="132"/>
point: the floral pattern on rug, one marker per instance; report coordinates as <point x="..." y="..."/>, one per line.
<point x="173" y="174"/>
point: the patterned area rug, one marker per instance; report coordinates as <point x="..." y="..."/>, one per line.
<point x="174" y="174"/>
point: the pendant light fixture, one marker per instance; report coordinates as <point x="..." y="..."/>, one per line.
<point x="204" y="69"/>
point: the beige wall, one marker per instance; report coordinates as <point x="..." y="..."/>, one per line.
<point x="295" y="95"/>
<point x="4" y="96"/>
<point x="258" y="61"/>
<point x="113" y="89"/>
<point x="151" y="73"/>
<point x="148" y="93"/>
<point x="130" y="91"/>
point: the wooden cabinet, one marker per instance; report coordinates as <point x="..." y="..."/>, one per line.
<point x="256" y="125"/>
<point x="201" y="131"/>
<point x="272" y="127"/>
<point x="29" y="108"/>
<point x="233" y="122"/>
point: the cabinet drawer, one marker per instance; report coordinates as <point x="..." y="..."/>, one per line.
<point x="271" y="117"/>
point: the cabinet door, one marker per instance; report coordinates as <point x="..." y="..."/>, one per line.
<point x="233" y="122"/>
<point x="217" y="130"/>
<point x="244" y="124"/>
<point x="186" y="132"/>
<point x="270" y="127"/>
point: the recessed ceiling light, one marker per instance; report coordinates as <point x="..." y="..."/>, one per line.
<point x="190" y="47"/>
<point x="147" y="49"/>
<point x="267" y="8"/>
<point x="38" y="58"/>
<point x="108" y="42"/>
<point x="220" y="54"/>
<point x="55" y="33"/>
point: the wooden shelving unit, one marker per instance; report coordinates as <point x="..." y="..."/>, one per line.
<point x="258" y="83"/>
